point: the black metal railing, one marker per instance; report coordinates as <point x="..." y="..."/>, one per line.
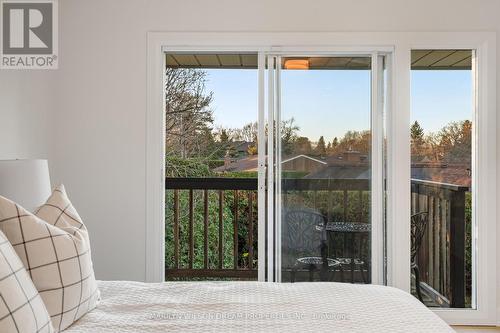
<point x="212" y="226"/>
<point x="209" y="202"/>
<point x="442" y="255"/>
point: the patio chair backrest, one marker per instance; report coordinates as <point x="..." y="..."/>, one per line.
<point x="418" y="226"/>
<point x="300" y="235"/>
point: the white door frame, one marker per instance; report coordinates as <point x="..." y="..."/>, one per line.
<point x="378" y="108"/>
<point x="270" y="170"/>
<point x="398" y="159"/>
<point x="274" y="155"/>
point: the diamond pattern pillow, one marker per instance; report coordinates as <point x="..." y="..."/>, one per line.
<point x="54" y="247"/>
<point x="21" y="307"/>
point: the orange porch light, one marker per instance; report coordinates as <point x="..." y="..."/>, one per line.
<point x="296" y="64"/>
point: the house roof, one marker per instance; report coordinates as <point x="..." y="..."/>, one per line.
<point x="303" y="156"/>
<point x="248" y="163"/>
<point x="242" y="145"/>
<point x="456" y="174"/>
<point x="342" y="172"/>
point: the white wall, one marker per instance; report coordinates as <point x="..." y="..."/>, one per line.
<point x="25" y="110"/>
<point x="96" y="133"/>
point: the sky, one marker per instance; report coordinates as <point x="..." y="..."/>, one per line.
<point x="330" y="102"/>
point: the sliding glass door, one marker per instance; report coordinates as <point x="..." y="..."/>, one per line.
<point x="293" y="195"/>
<point x="211" y="200"/>
<point x="440" y="187"/>
<point x="325" y="132"/>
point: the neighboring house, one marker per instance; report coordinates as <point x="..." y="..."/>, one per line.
<point x="248" y="163"/>
<point x="457" y="174"/>
<point x="237" y="158"/>
<point x="353" y="165"/>
<point x="302" y="163"/>
<point x="347" y="165"/>
<point x="241" y="147"/>
<point x="342" y="171"/>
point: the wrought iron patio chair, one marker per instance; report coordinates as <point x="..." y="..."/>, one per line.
<point x="304" y="246"/>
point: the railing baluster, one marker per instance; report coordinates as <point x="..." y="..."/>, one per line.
<point x="176" y="228"/>
<point x="412" y="201"/>
<point x="435" y="233"/>
<point x="221" y="240"/>
<point x="424" y="259"/>
<point x="235" y="229"/>
<point x="329" y="206"/>
<point x="443" y="250"/>
<point x="250" y="230"/>
<point x="457" y="248"/>
<point x="430" y="229"/>
<point x="345" y="206"/>
<point x="205" y="230"/>
<point x="449" y="278"/>
<point x="191" y="231"/>
<point x="417" y="203"/>
<point x="360" y="198"/>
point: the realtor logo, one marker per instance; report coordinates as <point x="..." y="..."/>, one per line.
<point x="29" y="38"/>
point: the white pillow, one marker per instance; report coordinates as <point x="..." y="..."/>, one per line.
<point x="21" y="307"/>
<point x="54" y="247"/>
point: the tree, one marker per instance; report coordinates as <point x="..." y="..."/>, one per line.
<point x="252" y="150"/>
<point x="247" y="133"/>
<point x="455" y="142"/>
<point x="302" y="145"/>
<point x="355" y="141"/>
<point x="433" y="151"/>
<point x="451" y="144"/>
<point x="320" y="148"/>
<point x="223" y="137"/>
<point x="332" y="146"/>
<point x="187" y="112"/>
<point x="335" y="142"/>
<point x="182" y="167"/>
<point x="417" y="132"/>
<point x="289" y="136"/>
<point x="417" y="140"/>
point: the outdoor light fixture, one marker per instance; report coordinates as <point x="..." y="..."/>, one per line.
<point x="297" y="64"/>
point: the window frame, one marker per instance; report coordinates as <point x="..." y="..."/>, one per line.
<point x="398" y="134"/>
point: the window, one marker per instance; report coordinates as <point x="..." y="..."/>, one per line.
<point x="442" y="172"/>
<point x="325" y="169"/>
<point x="404" y="195"/>
<point x="211" y="166"/>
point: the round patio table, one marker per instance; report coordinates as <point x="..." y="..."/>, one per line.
<point x="350" y="229"/>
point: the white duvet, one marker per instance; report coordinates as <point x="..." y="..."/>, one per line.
<point x="255" y="307"/>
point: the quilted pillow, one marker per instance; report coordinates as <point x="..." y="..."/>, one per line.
<point x="21" y="308"/>
<point x="54" y="247"/>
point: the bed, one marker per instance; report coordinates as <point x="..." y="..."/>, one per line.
<point x="255" y="307"/>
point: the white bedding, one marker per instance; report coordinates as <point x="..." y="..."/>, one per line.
<point x="255" y="307"/>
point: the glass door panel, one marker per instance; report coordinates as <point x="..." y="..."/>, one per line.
<point x="324" y="168"/>
<point x="213" y="204"/>
<point x="443" y="176"/>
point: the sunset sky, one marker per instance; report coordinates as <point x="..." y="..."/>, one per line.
<point x="331" y="102"/>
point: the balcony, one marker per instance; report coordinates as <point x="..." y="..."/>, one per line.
<point x="211" y="229"/>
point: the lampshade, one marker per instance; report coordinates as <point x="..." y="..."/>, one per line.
<point x="25" y="182"/>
